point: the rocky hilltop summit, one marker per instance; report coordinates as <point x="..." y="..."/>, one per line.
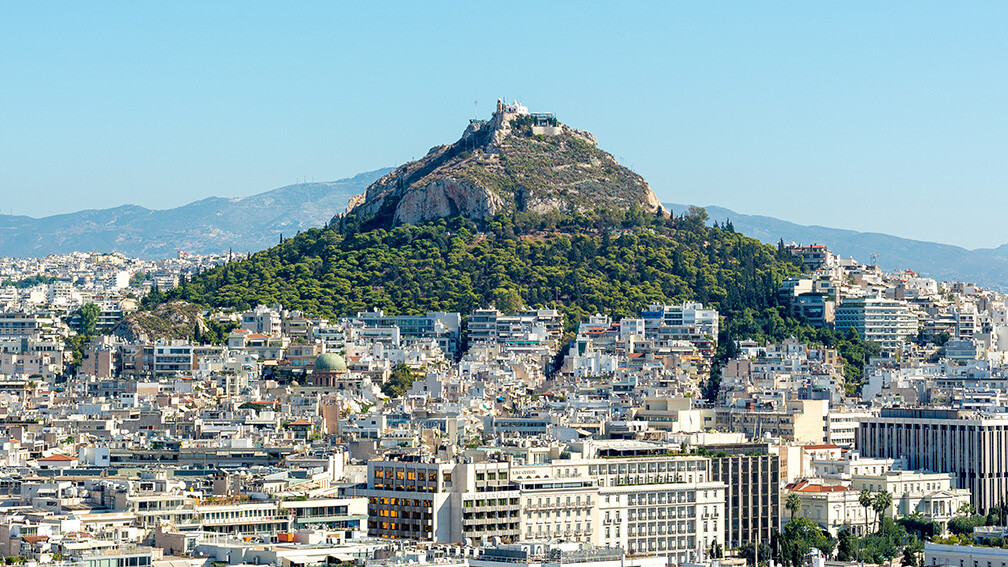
<point x="516" y="161"/>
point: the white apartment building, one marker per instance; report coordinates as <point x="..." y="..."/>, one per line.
<point x="263" y="320"/>
<point x="884" y="321"/>
<point x="841" y="426"/>
<point x="851" y="465"/>
<point x="689" y="314"/>
<point x="644" y="504"/>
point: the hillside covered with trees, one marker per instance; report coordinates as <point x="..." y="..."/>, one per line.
<point x="605" y="261"/>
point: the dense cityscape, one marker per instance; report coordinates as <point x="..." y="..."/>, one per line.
<point x="291" y="285"/>
<point x="278" y="436"/>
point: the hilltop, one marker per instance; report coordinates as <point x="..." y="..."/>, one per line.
<point x="215" y="224"/>
<point x="515" y="162"/>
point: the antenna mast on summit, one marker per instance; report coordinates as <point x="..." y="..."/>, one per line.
<point x="476" y="109"/>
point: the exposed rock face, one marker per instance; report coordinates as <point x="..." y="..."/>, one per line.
<point x="172" y="320"/>
<point x="501" y="165"/>
<point x="446" y="198"/>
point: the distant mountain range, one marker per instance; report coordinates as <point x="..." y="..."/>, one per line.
<point x="215" y="224"/>
<point x="249" y="224"/>
<point x="987" y="267"/>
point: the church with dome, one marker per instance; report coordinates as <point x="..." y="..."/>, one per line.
<point x="329" y="371"/>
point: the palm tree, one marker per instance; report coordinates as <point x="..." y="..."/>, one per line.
<point x="865" y="500"/>
<point x="882" y="502"/>
<point x="793" y="504"/>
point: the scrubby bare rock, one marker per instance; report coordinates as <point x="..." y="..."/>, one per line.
<point x="499" y="166"/>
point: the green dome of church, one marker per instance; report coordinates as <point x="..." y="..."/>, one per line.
<point x="330" y="362"/>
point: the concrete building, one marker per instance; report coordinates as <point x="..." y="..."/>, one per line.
<point x="943" y="555"/>
<point x="414" y="498"/>
<point x="752" y="499"/>
<point x="972" y="446"/>
<point x="799" y="420"/>
<point x="884" y="321"/>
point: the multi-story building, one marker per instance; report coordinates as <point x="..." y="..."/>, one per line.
<point x="799" y="420"/>
<point x="652" y="501"/>
<point x="263" y="320"/>
<point x="813" y="256"/>
<point x="686" y="315"/>
<point x="173" y="358"/>
<point x="752" y="501"/>
<point x="970" y="445"/>
<point x="841" y="426"/>
<point x="22" y="324"/>
<point x="445" y="328"/>
<point x="492" y="326"/>
<point x="553" y="554"/>
<point x="415" y="498"/>
<point x="884" y="321"/>
<point x="558" y="501"/>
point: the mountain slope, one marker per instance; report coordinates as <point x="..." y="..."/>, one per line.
<point x="985" y="266"/>
<point x="215" y="224"/>
<point x="515" y="161"/>
<point x="572" y="262"/>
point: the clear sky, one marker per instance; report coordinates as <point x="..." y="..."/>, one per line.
<point x="886" y="117"/>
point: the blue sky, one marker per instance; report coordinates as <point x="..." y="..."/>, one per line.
<point x="884" y="117"/>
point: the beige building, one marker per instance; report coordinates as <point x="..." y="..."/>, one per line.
<point x="930" y="494"/>
<point x="802" y="421"/>
<point x="834" y="507"/>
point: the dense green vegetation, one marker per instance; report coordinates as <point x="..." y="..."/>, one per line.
<point x="31" y="281"/>
<point x="605" y="261"/>
<point x="399" y="382"/>
<point x="137" y="279"/>
<point x="87" y="318"/>
<point x="771" y="324"/>
<point x="215" y="332"/>
<point x="885" y="544"/>
<point x="800" y="535"/>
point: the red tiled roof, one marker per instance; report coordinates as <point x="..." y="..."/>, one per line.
<point x="35" y="538"/>
<point x="56" y="458"/>
<point x="805" y="486"/>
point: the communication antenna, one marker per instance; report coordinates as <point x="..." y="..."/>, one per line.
<point x="874" y="260"/>
<point x="476" y="109"/>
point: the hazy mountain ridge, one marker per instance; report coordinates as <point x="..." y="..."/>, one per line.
<point x="214" y="224"/>
<point x="987" y="267"/>
<point x="253" y="223"/>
